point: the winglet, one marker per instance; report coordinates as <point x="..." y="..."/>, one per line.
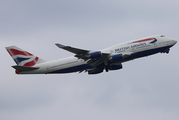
<point x="72" y="49"/>
<point x="59" y="45"/>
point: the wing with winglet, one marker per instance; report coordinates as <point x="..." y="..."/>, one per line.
<point x="81" y="53"/>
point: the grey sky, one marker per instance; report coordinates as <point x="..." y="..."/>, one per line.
<point x="145" y="88"/>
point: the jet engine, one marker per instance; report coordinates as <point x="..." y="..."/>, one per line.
<point x="96" y="54"/>
<point x="95" y="71"/>
<point x="115" y="66"/>
<point x="117" y="57"/>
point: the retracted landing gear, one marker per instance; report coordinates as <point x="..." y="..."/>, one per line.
<point x="106" y="66"/>
<point x="166" y="51"/>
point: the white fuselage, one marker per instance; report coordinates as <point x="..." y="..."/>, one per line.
<point x="135" y="49"/>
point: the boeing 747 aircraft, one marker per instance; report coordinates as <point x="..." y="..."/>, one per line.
<point x="93" y="62"/>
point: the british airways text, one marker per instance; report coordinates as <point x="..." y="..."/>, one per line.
<point x="128" y="47"/>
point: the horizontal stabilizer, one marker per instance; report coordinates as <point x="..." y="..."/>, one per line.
<point x="24" y="68"/>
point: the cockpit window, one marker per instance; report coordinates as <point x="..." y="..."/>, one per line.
<point x="162" y="36"/>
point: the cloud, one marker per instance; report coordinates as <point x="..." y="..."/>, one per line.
<point x="145" y="88"/>
<point x="22" y="17"/>
<point x="19" y="93"/>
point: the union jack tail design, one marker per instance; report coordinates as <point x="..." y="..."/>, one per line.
<point x="23" y="58"/>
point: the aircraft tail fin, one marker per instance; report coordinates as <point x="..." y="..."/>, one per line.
<point x="23" y="58"/>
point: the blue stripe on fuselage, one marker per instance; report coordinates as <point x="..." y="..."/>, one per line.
<point x="154" y="41"/>
<point x="133" y="56"/>
<point x="72" y="69"/>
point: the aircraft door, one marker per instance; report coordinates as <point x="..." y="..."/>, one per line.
<point x="155" y="45"/>
<point x="133" y="49"/>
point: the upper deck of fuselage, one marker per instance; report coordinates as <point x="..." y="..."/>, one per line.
<point x="158" y="39"/>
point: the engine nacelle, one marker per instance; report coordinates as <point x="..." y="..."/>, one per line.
<point x="95" y="71"/>
<point x="96" y="54"/>
<point x="115" y="66"/>
<point x="117" y="57"/>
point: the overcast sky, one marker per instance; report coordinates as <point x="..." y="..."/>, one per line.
<point x="145" y="89"/>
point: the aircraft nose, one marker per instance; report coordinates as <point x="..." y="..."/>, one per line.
<point x="174" y="42"/>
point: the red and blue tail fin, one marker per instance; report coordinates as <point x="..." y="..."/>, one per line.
<point x="23" y="58"/>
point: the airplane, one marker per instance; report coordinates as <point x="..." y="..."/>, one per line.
<point x="93" y="62"/>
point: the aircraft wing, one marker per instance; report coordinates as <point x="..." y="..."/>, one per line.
<point x="72" y="49"/>
<point x="96" y="58"/>
<point x="80" y="53"/>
